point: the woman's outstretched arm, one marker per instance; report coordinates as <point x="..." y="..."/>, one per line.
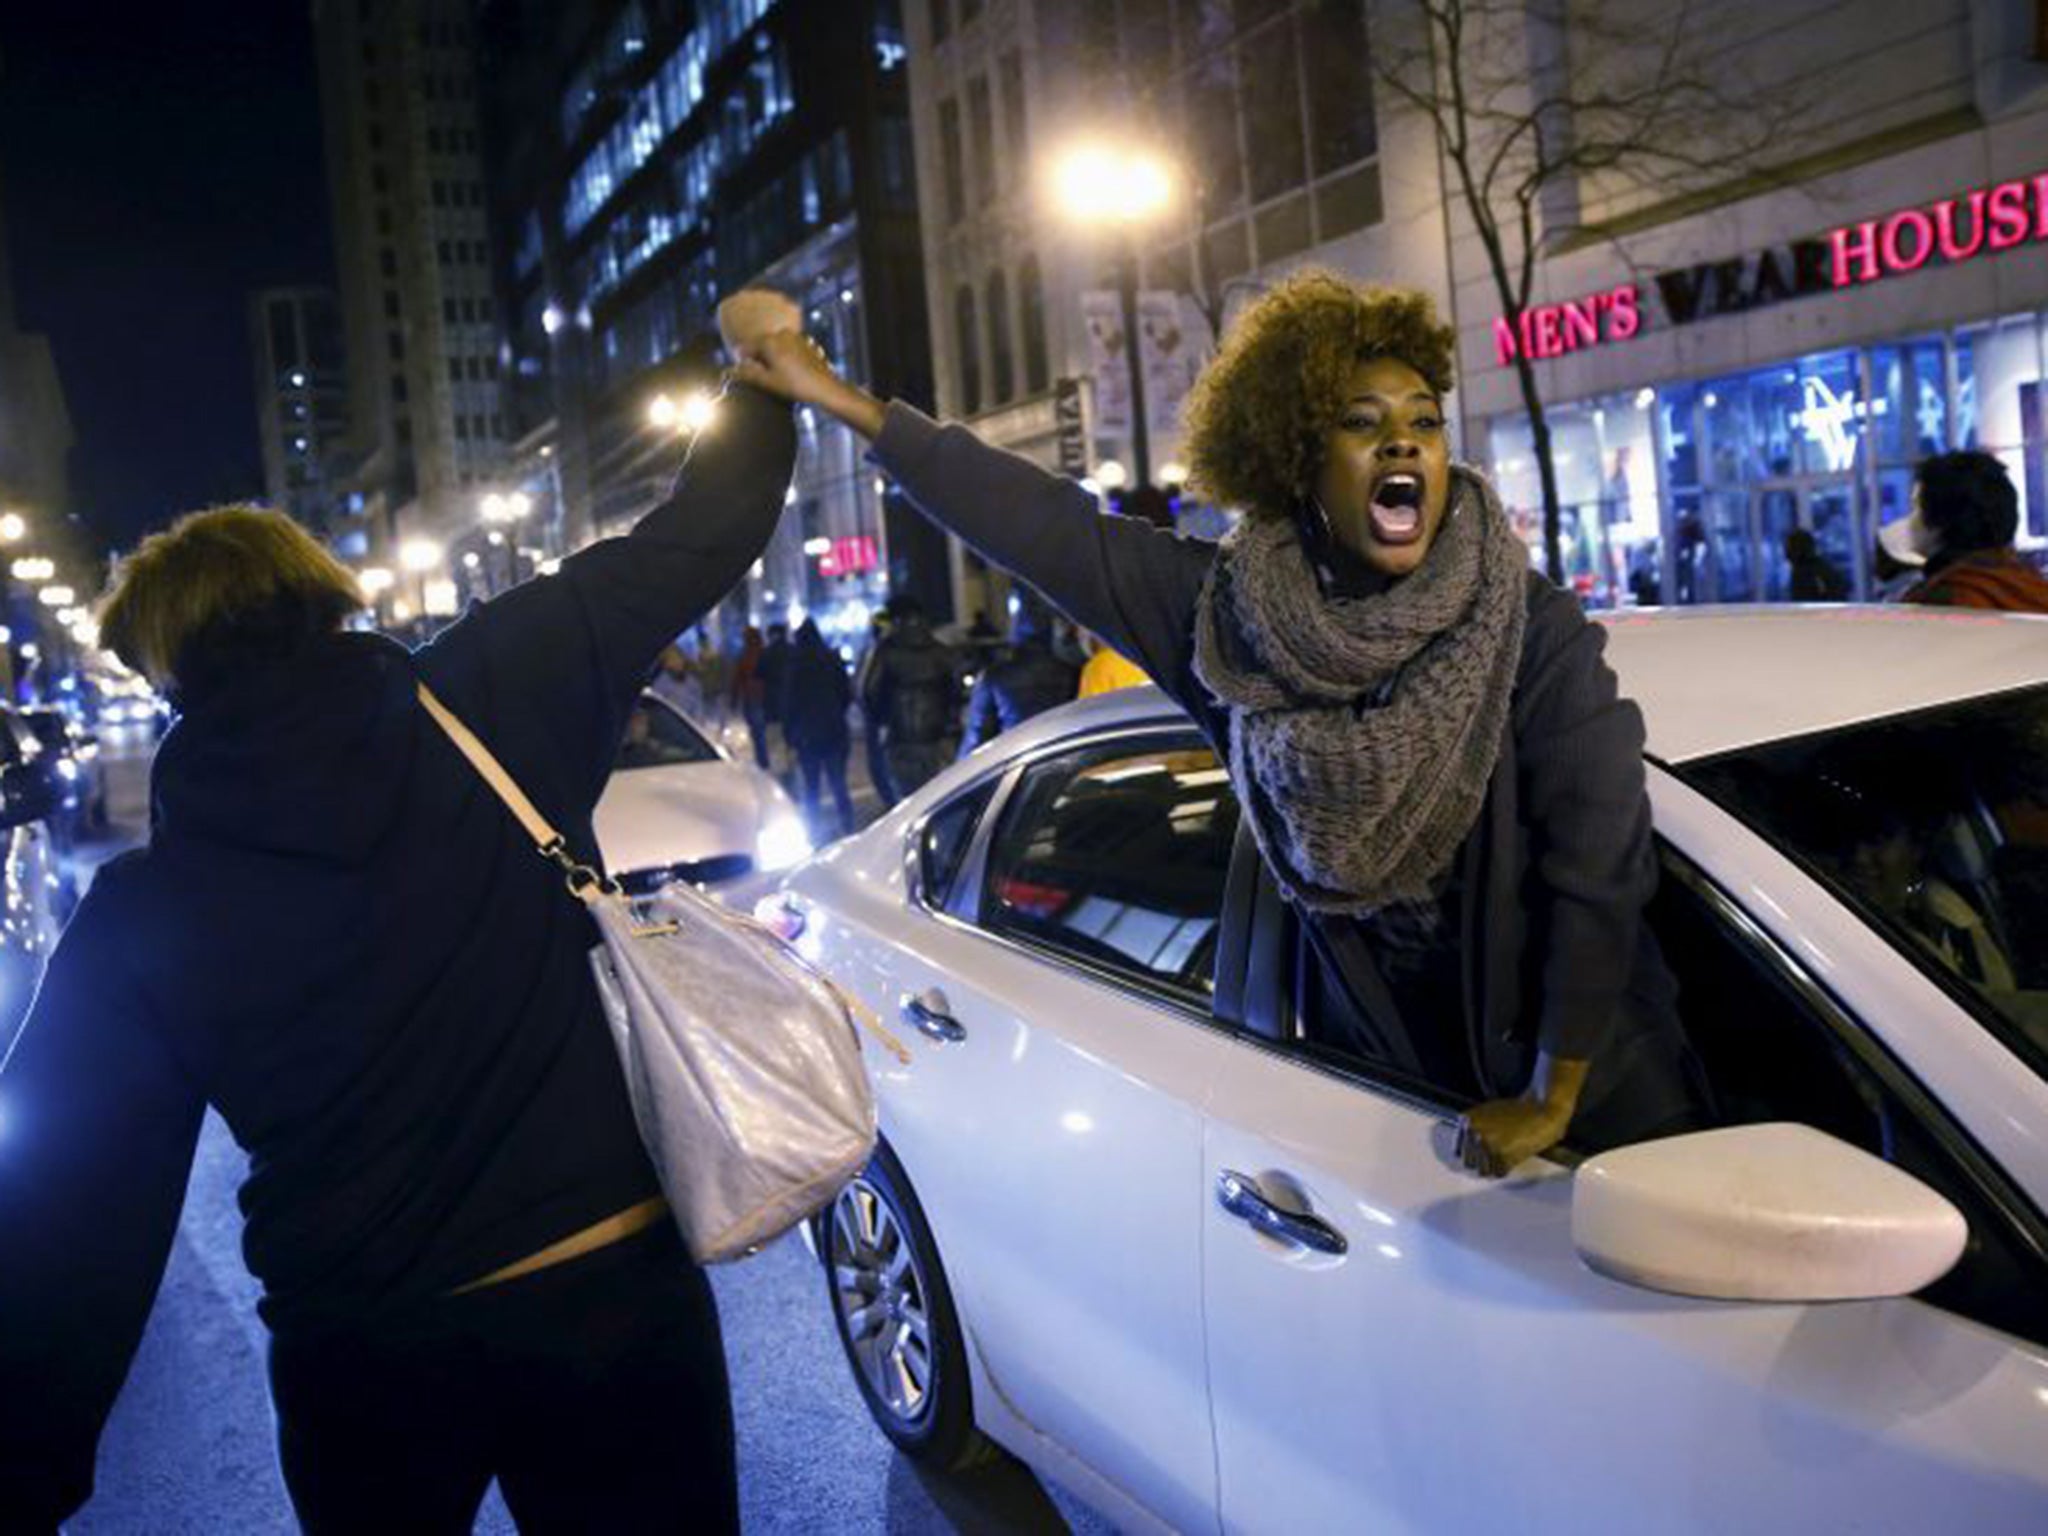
<point x="1133" y="584"/>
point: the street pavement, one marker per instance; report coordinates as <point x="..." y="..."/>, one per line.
<point x="189" y="1446"/>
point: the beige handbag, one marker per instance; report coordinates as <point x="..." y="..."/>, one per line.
<point x="742" y="1061"/>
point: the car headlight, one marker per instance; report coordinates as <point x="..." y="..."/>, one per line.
<point x="781" y="843"/>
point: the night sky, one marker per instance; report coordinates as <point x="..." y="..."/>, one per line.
<point x="158" y="163"/>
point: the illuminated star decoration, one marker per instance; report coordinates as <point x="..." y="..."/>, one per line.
<point x="1829" y="420"/>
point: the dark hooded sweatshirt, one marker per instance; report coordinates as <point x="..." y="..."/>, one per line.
<point x="342" y="941"/>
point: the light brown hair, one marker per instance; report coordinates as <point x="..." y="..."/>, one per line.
<point x="1257" y="417"/>
<point x="222" y="588"/>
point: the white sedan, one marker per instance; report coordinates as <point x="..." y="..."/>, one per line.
<point x="681" y="807"/>
<point x="1148" y="1216"/>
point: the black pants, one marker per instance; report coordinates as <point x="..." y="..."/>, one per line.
<point x="594" y="1392"/>
<point x="824" y="767"/>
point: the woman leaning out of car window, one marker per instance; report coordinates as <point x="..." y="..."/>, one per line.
<point x="1432" y="751"/>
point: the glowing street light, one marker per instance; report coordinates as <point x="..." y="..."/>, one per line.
<point x="419" y="554"/>
<point x="1122" y="188"/>
<point x="57" y="597"/>
<point x="1096" y="183"/>
<point x="374" y="579"/>
<point x="693" y="413"/>
<point x="13" y="527"/>
<point x="33" y="568"/>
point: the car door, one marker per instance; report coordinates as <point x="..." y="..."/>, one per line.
<point x="1056" y="999"/>
<point x="1406" y="1347"/>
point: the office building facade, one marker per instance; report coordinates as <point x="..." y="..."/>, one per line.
<point x="688" y="151"/>
<point x="302" y="412"/>
<point x="428" y="433"/>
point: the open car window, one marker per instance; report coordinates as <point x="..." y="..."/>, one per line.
<point x="1116" y="856"/>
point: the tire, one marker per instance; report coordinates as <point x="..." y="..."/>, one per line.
<point x="887" y="1287"/>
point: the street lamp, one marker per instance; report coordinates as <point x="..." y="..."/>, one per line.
<point x="33" y="568"/>
<point x="13" y="527"/>
<point x="57" y="597"/>
<point x="693" y="413"/>
<point x="1125" y="190"/>
<point x="419" y="555"/>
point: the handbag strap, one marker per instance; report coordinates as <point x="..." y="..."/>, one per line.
<point x="592" y="886"/>
<point x="585" y="883"/>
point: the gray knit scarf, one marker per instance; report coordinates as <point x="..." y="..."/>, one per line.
<point x="1363" y="730"/>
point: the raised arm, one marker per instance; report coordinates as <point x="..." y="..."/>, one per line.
<point x="1131" y="583"/>
<point x="98" y="1120"/>
<point x="571" y="651"/>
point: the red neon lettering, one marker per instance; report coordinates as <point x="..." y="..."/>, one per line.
<point x="1863" y="251"/>
<point x="1624" y="319"/>
<point x="1895" y="259"/>
<point x="1581" y="324"/>
<point x="2008" y="215"/>
<point x="2041" y="206"/>
<point x="1548" y="342"/>
<point x="1953" y="249"/>
<point x="1504" y="344"/>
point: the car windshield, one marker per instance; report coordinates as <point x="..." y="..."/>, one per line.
<point x="658" y="737"/>
<point x="1935" y="826"/>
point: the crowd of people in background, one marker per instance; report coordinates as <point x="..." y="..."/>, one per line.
<point x="923" y="698"/>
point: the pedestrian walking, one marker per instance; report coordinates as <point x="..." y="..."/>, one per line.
<point x="1025" y="680"/>
<point x="771" y="669"/>
<point x="675" y="682"/>
<point x="815" y="696"/>
<point x="1814" y="578"/>
<point x="749" y="693"/>
<point x="872" y="743"/>
<point x="914" y="691"/>
<point x="1408" y="713"/>
<point x="339" y="940"/>
<point x="1966" y="514"/>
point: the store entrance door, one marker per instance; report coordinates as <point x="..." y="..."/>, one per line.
<point x="1824" y="506"/>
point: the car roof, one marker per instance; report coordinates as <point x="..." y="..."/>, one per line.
<point x="1714" y="679"/>
<point x="1711" y="680"/>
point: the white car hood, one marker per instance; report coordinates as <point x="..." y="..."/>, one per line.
<point x="684" y="813"/>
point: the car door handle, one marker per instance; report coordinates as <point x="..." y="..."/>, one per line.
<point x="1239" y="1194"/>
<point x="928" y="1013"/>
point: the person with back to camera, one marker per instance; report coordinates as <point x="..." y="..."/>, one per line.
<point x="1408" y="712"/>
<point x="815" y="694"/>
<point x="913" y="692"/>
<point x="1025" y="680"/>
<point x="339" y="939"/>
<point x="1966" y="514"/>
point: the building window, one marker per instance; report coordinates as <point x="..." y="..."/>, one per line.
<point x="1031" y="321"/>
<point x="1001" y="361"/>
<point x="942" y="19"/>
<point x="390" y="304"/>
<point x="395" y="343"/>
<point x="964" y="341"/>
<point x="969" y="10"/>
<point x="981" y="138"/>
<point x="949" y="153"/>
<point x="447" y="311"/>
<point x="455" y="370"/>
<point x="1010" y="75"/>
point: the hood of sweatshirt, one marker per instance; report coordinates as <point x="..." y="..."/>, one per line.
<point x="307" y="758"/>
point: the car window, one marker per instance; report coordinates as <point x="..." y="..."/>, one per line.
<point x="1116" y="856"/>
<point x="947" y="835"/>
<point x="1767" y="1051"/>
<point x="1935" y="827"/>
<point x="656" y="736"/>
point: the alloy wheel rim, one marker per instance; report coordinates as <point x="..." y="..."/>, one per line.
<point x="880" y="1291"/>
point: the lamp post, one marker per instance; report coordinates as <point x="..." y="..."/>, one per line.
<point x="1125" y="190"/>
<point x="501" y="509"/>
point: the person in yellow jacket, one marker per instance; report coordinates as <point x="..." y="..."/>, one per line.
<point x="1108" y="669"/>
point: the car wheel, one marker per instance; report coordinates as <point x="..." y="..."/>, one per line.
<point x="894" y="1312"/>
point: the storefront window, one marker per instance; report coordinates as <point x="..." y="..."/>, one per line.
<point x="1727" y="467"/>
<point x="2001" y="407"/>
<point x="1609" y="528"/>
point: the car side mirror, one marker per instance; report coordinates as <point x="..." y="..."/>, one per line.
<point x="26" y="795"/>
<point x="1778" y="1212"/>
